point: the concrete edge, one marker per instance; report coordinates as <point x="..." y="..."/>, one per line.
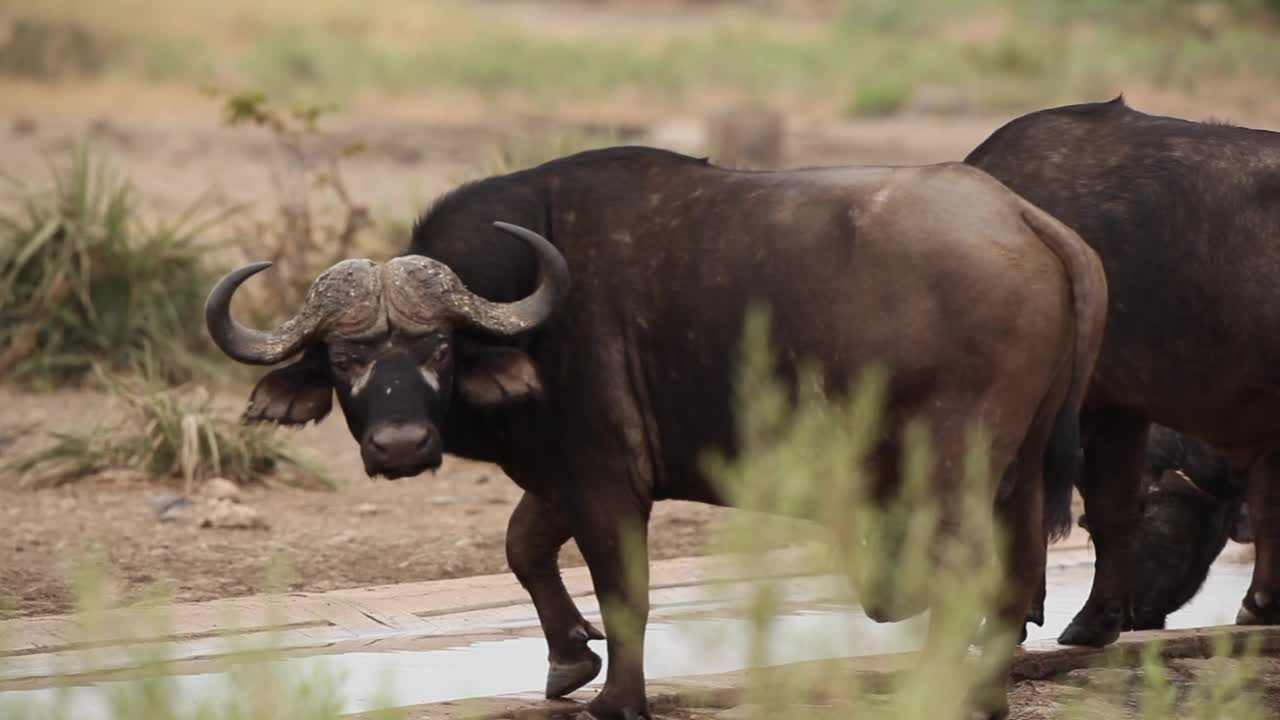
<point x="383" y="608"/>
<point x="1039" y="661"/>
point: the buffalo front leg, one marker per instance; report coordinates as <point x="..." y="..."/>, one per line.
<point x="1261" y="604"/>
<point x="612" y="532"/>
<point x="1112" y="474"/>
<point x="536" y="531"/>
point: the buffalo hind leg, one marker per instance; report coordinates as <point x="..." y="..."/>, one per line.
<point x="535" y="533"/>
<point x="611" y="528"/>
<point x="1261" y="604"/>
<point x="1112" y="474"/>
<point x="1020" y="524"/>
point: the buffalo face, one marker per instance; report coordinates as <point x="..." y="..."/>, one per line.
<point x="1181" y="532"/>
<point x="381" y="337"/>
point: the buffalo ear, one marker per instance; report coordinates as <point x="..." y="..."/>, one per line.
<point x="295" y="394"/>
<point x="497" y="376"/>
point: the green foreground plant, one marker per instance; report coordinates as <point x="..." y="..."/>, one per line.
<point x="84" y="280"/>
<point x="803" y="452"/>
<point x="254" y="685"/>
<point x="170" y="432"/>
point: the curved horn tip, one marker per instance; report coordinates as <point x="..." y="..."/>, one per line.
<point x="239" y="275"/>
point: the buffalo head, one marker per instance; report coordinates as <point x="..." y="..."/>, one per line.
<point x="380" y="336"/>
<point x="1192" y="503"/>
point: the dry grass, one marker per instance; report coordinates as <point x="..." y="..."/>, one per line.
<point x="172" y="433"/>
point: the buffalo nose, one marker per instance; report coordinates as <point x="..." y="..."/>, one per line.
<point x="404" y="445"/>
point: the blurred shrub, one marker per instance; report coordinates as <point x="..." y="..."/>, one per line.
<point x="173" y="433"/>
<point x="84" y="280"/>
<point x="880" y="95"/>
<point x="317" y="221"/>
<point x="46" y="50"/>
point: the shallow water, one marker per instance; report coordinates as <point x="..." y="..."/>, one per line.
<point x="674" y="647"/>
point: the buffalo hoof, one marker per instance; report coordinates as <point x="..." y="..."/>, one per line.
<point x="1035" y="616"/>
<point x="568" y="674"/>
<point x="1093" y="629"/>
<point x="564" y="678"/>
<point x="1258" y="609"/>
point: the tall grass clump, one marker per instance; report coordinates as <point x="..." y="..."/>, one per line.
<point x="84" y="280"/>
<point x="172" y="433"/>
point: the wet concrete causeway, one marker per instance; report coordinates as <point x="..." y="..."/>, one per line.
<point x="476" y="637"/>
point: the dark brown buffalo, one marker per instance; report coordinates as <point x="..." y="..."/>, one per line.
<point x="599" y="396"/>
<point x="1186" y="217"/>
<point x="1191" y="504"/>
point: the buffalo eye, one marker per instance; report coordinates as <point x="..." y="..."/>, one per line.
<point x="344" y="363"/>
<point x="439" y="354"/>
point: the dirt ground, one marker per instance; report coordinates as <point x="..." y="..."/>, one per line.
<point x="368" y="532"/>
<point x="1088" y="694"/>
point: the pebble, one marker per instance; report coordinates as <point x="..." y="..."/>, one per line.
<point x="367" y="509"/>
<point x="221" y="489"/>
<point x="227" y="514"/>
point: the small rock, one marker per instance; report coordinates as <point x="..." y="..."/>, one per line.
<point x="366" y="509"/>
<point x="443" y="500"/>
<point x="463" y="543"/>
<point x="24" y="125"/>
<point x="747" y="135"/>
<point x="230" y="515"/>
<point x="170" y="507"/>
<point x="221" y="489"/>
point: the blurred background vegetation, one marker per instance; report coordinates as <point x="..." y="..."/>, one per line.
<point x="856" y="56"/>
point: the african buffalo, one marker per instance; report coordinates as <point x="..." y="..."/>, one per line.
<point x="1185" y="216"/>
<point x="1191" y="503"/>
<point x="599" y="396"/>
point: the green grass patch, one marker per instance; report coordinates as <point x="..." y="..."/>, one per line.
<point x="84" y="280"/>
